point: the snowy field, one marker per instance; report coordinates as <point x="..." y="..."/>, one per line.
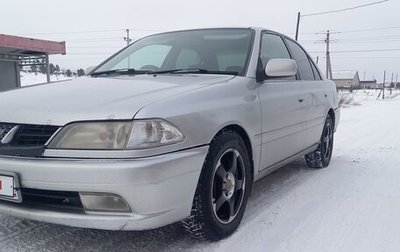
<point x="353" y="205"/>
<point x="28" y="79"/>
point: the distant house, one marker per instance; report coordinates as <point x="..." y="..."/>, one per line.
<point x="370" y="84"/>
<point x="346" y="79"/>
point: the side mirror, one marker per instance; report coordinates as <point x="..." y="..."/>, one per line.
<point x="281" y="68"/>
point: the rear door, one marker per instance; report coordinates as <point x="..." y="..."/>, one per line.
<point x="283" y="107"/>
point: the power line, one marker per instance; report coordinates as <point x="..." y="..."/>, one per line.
<point x="109" y="51"/>
<point x="299" y="16"/>
<point x="357" y="40"/>
<point x="81" y="59"/>
<point x="344" y="9"/>
<point x="394" y="36"/>
<point x="358" y="58"/>
<point x="68" y="32"/>
<point x="372" y="29"/>
<point x="366" y="57"/>
<point x="339" y="41"/>
<point x="94" y="39"/>
<point x="369" y="42"/>
<point x="359" y="51"/>
<point x="90" y="53"/>
<point x="95" y="47"/>
<point x="353" y="31"/>
<point x="89" y="31"/>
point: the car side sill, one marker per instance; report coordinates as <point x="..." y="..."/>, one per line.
<point x="278" y="165"/>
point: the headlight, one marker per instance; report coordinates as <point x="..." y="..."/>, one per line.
<point x="139" y="134"/>
<point x="153" y="133"/>
<point x="93" y="135"/>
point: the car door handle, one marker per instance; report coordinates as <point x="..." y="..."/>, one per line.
<point x="301" y="99"/>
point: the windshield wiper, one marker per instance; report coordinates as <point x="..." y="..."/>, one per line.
<point x="120" y="72"/>
<point x="192" y="71"/>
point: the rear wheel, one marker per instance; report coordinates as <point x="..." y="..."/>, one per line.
<point x="321" y="157"/>
<point x="223" y="189"/>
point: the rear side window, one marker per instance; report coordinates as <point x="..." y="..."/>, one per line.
<point x="317" y="75"/>
<point x="304" y="68"/>
<point x="272" y="47"/>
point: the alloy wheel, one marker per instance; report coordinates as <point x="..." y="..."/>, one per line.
<point x="228" y="186"/>
<point x="327" y="140"/>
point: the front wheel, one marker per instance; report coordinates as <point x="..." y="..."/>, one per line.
<point x="223" y="189"/>
<point x="321" y="157"/>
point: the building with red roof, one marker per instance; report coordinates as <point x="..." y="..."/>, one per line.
<point x="16" y="52"/>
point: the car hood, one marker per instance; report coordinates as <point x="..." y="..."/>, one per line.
<point x="100" y="98"/>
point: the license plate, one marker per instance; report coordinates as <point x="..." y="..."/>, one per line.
<point x="6" y="186"/>
<point x="9" y="187"/>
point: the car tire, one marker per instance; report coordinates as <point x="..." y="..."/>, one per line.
<point x="321" y="157"/>
<point x="223" y="189"/>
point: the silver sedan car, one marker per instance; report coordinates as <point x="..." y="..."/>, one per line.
<point x="175" y="127"/>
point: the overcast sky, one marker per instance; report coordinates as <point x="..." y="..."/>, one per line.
<point x="95" y="29"/>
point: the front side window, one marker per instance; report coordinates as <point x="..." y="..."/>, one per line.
<point x="209" y="49"/>
<point x="303" y="64"/>
<point x="272" y="47"/>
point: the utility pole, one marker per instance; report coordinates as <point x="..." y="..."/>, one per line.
<point x="127" y="38"/>
<point x="128" y="41"/>
<point x="47" y="68"/>
<point x="298" y="24"/>
<point x="383" y="86"/>
<point x="299" y="16"/>
<point x="328" y="57"/>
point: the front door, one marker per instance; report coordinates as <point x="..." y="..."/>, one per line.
<point x="283" y="108"/>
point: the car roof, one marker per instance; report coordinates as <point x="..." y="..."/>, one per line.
<point x="255" y="28"/>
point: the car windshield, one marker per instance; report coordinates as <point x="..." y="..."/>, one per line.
<point x="224" y="51"/>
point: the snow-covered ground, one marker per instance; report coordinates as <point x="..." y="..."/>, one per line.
<point x="353" y="205"/>
<point x="32" y="78"/>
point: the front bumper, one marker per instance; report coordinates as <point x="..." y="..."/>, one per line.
<point x="159" y="190"/>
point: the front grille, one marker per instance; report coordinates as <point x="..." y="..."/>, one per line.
<point x="25" y="140"/>
<point x="4" y="129"/>
<point x="28" y="135"/>
<point x="56" y="200"/>
<point x="33" y="135"/>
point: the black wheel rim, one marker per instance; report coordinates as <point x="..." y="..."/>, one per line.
<point x="228" y="186"/>
<point x="327" y="141"/>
